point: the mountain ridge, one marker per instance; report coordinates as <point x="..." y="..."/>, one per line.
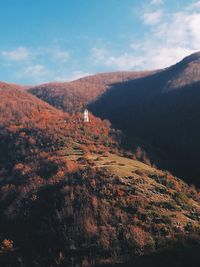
<point x="74" y="96"/>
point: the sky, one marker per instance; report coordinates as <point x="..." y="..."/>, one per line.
<point x="63" y="40"/>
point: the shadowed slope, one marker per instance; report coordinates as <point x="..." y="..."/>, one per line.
<point x="73" y="96"/>
<point x="161" y="113"/>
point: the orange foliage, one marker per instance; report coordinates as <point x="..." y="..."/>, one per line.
<point x="7" y="245"/>
<point x="74" y="96"/>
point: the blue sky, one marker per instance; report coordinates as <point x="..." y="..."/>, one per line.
<point x="59" y="40"/>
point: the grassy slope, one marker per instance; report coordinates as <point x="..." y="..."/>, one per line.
<point x="150" y="182"/>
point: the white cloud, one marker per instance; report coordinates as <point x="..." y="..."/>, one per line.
<point x="99" y="53"/>
<point x="36" y="72"/>
<point x="194" y="5"/>
<point x="152" y="17"/>
<point x="181" y="30"/>
<point x="18" y="54"/>
<point x="63" y="76"/>
<point x="169" y="36"/>
<point x="156" y="2"/>
<point x="60" y="54"/>
<point x="36" y="64"/>
<point x="164" y="57"/>
<point x="175" y="36"/>
<point x="78" y="74"/>
<point x="125" y="61"/>
<point x="23" y="54"/>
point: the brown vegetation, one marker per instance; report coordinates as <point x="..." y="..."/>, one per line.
<point x="74" y="96"/>
<point x="57" y="198"/>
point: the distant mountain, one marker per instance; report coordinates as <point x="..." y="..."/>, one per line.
<point x="69" y="194"/>
<point x="73" y="96"/>
<point x="160" y="112"/>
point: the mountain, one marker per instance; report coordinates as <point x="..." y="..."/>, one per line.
<point x="73" y="96"/>
<point x="70" y="195"/>
<point x="160" y="113"/>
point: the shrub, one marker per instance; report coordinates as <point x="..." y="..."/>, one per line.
<point x="181" y="199"/>
<point x="90" y="227"/>
<point x="140" y="239"/>
<point x="139" y="172"/>
<point x="7" y="245"/>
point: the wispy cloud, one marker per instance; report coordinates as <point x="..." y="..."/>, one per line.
<point x="37" y="64"/>
<point x="61" y="55"/>
<point x="164" y="36"/>
<point x="64" y="76"/>
<point x="78" y="74"/>
<point x="194" y="5"/>
<point x="125" y="61"/>
<point x="36" y="73"/>
<point x="99" y="53"/>
<point x="152" y="17"/>
<point x="56" y="53"/>
<point x="17" y="54"/>
<point x="22" y="54"/>
<point x="35" y="70"/>
<point x="171" y="36"/>
<point x="156" y="2"/>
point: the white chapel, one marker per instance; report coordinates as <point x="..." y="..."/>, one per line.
<point x="86" y="116"/>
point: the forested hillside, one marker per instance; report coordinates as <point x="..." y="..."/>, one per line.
<point x="74" y="96"/>
<point x="68" y="192"/>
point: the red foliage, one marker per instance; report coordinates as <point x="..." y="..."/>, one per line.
<point x="74" y="96"/>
